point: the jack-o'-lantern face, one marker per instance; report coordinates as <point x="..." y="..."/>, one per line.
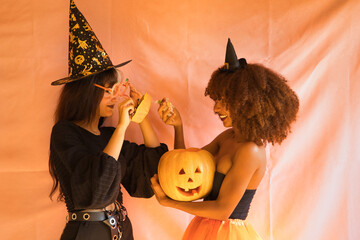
<point x="189" y="181"/>
<point x="186" y="174"/>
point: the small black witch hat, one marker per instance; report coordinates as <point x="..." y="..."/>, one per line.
<point x="86" y="54"/>
<point x="231" y="61"/>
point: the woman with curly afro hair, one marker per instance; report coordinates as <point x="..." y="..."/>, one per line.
<point x="258" y="107"/>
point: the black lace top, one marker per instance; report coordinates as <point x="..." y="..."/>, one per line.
<point x="89" y="178"/>
<point x="242" y="209"/>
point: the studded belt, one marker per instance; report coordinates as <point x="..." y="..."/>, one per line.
<point x="111" y="218"/>
<point x="87" y="216"/>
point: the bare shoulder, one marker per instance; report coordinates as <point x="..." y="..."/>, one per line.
<point x="250" y="153"/>
<point x="248" y="165"/>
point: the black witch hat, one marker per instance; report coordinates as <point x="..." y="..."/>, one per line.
<point x="231" y="61"/>
<point x="86" y="54"/>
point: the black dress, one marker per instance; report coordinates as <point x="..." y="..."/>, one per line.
<point x="242" y="209"/>
<point x="90" y="179"/>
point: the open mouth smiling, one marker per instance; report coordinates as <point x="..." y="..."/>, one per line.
<point x="190" y="191"/>
<point x="222" y="117"/>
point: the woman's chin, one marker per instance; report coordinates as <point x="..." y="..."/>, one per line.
<point x="107" y="114"/>
<point x="227" y="124"/>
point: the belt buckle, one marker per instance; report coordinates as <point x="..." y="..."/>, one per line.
<point x="111" y="222"/>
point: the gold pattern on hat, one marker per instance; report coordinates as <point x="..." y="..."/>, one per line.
<point x="87" y="27"/>
<point x="71" y="37"/>
<point x="71" y="55"/>
<point x="83" y="44"/>
<point x="96" y="60"/>
<point x="76" y="27"/>
<point x="86" y="70"/>
<point x="72" y="18"/>
<point x="79" y="59"/>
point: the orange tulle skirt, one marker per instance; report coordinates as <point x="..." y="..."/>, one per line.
<point x="211" y="229"/>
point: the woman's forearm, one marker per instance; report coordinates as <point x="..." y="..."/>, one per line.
<point x="179" y="142"/>
<point x="113" y="148"/>
<point x="150" y="137"/>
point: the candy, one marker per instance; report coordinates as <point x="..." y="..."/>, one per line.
<point x="167" y="106"/>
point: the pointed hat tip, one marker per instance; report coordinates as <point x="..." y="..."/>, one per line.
<point x="231" y="61"/>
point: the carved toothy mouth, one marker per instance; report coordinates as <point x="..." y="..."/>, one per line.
<point x="190" y="191"/>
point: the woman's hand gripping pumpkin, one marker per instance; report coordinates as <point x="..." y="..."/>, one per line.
<point x="159" y="193"/>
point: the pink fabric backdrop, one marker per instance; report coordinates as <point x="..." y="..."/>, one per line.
<point x="311" y="188"/>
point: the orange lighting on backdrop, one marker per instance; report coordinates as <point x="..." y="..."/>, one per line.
<point x="310" y="190"/>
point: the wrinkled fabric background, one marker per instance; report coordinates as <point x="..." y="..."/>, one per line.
<point x="311" y="187"/>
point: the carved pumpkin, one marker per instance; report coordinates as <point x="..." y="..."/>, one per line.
<point x="186" y="174"/>
<point x="143" y="109"/>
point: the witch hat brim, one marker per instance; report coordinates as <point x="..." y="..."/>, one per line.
<point x="68" y="79"/>
<point x="86" y="54"/>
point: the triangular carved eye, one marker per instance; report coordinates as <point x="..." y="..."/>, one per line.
<point x="197" y="170"/>
<point x="182" y="172"/>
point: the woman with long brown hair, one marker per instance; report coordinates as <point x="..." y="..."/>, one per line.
<point x="88" y="162"/>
